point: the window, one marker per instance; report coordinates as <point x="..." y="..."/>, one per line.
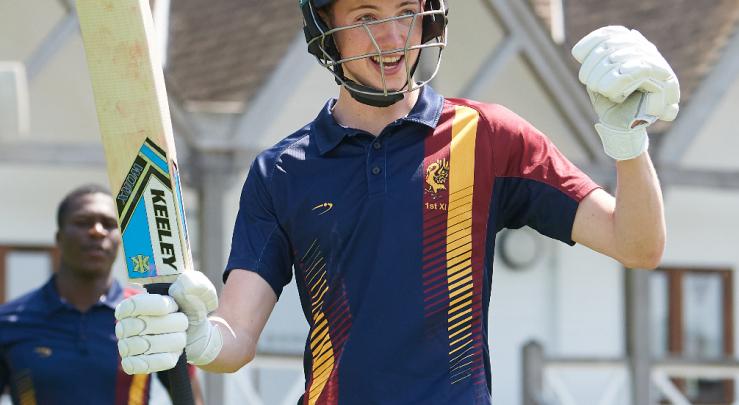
<point x="692" y="311"/>
<point x="23" y="268"/>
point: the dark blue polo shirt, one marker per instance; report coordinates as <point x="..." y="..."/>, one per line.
<point x="51" y="353"/>
<point x="391" y="239"/>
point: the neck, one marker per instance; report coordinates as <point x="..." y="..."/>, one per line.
<point x="81" y="292"/>
<point x="351" y="113"/>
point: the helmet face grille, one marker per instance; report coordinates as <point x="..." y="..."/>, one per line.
<point x="321" y="44"/>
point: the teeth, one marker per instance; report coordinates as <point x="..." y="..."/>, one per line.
<point x="386" y="59"/>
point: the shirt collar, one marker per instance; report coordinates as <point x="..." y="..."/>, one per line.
<point x="53" y="301"/>
<point x="328" y="133"/>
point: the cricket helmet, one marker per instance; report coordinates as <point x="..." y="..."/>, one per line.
<point x="320" y="38"/>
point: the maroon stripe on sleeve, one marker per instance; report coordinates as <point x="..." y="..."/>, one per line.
<point x="435" y="207"/>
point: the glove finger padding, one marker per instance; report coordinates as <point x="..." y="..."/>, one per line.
<point x="629" y="69"/>
<point x="151" y="325"/>
<point x="149" y="344"/>
<point x="600" y="65"/>
<point x="638" y="73"/>
<point x="195" y="295"/>
<point x="665" y="104"/>
<point x="590" y="41"/>
<point x="145" y="304"/>
<point x="617" y="61"/>
<point x="149" y="363"/>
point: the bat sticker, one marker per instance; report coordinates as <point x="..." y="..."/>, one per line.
<point x="146" y="206"/>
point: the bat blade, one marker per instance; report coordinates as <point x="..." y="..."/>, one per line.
<point x="136" y="130"/>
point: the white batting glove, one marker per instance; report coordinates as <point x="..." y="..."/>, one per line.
<point x="630" y="84"/>
<point x="151" y="334"/>
<point x="197" y="297"/>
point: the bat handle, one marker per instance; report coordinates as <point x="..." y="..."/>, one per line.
<point x="177" y="379"/>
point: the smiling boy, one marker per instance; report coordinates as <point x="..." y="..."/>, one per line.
<point x="387" y="205"/>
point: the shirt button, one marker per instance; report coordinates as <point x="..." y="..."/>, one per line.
<point x="377" y="145"/>
<point x="376" y="170"/>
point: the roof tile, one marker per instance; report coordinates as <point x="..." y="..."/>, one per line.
<point x="222" y="51"/>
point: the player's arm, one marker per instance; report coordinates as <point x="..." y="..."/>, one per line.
<point x="630" y="85"/>
<point x="630" y="227"/>
<point x="246" y="303"/>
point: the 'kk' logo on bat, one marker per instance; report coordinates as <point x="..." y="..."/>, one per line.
<point x="141" y="263"/>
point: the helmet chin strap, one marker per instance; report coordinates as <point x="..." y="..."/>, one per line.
<point x="375" y="99"/>
<point x="369" y="95"/>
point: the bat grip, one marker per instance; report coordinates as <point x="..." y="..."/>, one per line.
<point x="177" y="378"/>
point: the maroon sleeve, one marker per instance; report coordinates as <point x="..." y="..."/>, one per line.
<point x="534" y="183"/>
<point x="523" y="151"/>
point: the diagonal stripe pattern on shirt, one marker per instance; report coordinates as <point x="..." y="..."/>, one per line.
<point x="329" y="329"/>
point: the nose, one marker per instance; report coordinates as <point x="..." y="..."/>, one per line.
<point x="393" y="34"/>
<point x="98" y="230"/>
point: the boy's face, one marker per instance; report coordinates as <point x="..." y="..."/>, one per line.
<point x="89" y="237"/>
<point x="390" y="36"/>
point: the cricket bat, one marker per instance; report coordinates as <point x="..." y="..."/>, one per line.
<point x="136" y="130"/>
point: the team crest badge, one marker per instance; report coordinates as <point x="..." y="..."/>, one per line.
<point x="437" y="175"/>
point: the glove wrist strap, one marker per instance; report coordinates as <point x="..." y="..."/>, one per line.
<point x="622" y="144"/>
<point x="205" y="348"/>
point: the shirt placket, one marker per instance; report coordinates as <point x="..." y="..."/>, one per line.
<point x="377" y="165"/>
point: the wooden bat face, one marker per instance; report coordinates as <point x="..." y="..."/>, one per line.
<point x="136" y="131"/>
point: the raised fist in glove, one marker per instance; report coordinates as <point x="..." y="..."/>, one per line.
<point x="630" y="84"/>
<point x="151" y="333"/>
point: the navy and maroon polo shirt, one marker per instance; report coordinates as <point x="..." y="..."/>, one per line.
<point x="391" y="239"/>
<point x="51" y="353"/>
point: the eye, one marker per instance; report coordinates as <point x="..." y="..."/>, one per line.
<point x="82" y="222"/>
<point x="366" y="18"/>
<point x="110" y="223"/>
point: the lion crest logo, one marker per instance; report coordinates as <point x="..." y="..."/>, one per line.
<point x="437" y="174"/>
